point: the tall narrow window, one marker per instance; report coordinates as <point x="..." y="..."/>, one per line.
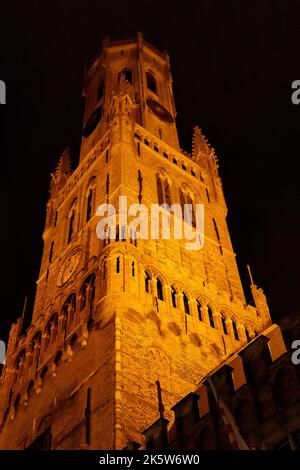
<point x="118" y="264"/>
<point x="182" y="200"/>
<point x="235" y="331"/>
<point x="71" y="227"/>
<point x="107" y="185"/>
<point x="89" y="205"/>
<point x="188" y="211"/>
<point x="191" y="210"/>
<point x="173" y="297"/>
<point x="159" y="289"/>
<point x="167" y="193"/>
<point x="132" y="269"/>
<point x="186" y="303"/>
<point x="224" y="326"/>
<point x="51" y="251"/>
<point x="199" y="310"/>
<point x="151" y="82"/>
<point x="207" y="195"/>
<point x="210" y="317"/>
<point x="163" y="190"/>
<point x="160" y="197"/>
<point x="218" y="235"/>
<point x="147" y="282"/>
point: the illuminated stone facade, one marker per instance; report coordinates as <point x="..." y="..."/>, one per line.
<point x="110" y="319"/>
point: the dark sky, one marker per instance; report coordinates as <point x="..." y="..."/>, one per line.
<point x="233" y="63"/>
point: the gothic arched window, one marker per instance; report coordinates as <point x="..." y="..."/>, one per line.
<point x="163" y="190"/>
<point x="173" y="297"/>
<point x="224" y="326"/>
<point x="159" y="289"/>
<point x="147" y="282"/>
<point x="51" y="330"/>
<point x="35" y="349"/>
<point x="210" y="317"/>
<point x="68" y="310"/>
<point x="235" y="331"/>
<point x="88" y="292"/>
<point x="71" y="226"/>
<point x="90" y="197"/>
<point x="89" y="205"/>
<point x="186" y="303"/>
<point x="51" y="251"/>
<point x="187" y="207"/>
<point x="151" y="82"/>
<point x="118" y="264"/>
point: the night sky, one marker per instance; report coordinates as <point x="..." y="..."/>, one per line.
<point x="233" y="63"/>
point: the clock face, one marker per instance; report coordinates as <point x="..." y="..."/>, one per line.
<point x="68" y="267"/>
<point x="92" y="122"/>
<point x="159" y="110"/>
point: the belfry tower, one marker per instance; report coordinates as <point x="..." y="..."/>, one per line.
<point x="112" y="317"/>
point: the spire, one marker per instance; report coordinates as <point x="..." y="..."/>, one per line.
<point x="203" y="152"/>
<point x="200" y="143"/>
<point x="61" y="173"/>
<point x="260" y="301"/>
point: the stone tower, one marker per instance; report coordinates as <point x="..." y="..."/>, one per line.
<point x="112" y="317"/>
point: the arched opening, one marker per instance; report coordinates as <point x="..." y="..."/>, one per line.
<point x="88" y="292"/>
<point x="199" y="310"/>
<point x="159" y="289"/>
<point x="235" y="331"/>
<point x="71" y="227"/>
<point x="58" y="358"/>
<point x="73" y="341"/>
<point x="186" y="303"/>
<point x="118" y="264"/>
<point x="151" y="82"/>
<point x="51" y="330"/>
<point x="68" y="311"/>
<point x="89" y="205"/>
<point x="163" y="190"/>
<point x="173" y="297"/>
<point x="147" y="282"/>
<point x="210" y="317"/>
<point x="224" y="326"/>
<point x="35" y="349"/>
<point x="44" y="373"/>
